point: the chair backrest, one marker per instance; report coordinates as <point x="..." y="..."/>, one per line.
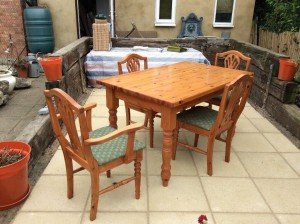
<point x="132" y="62"/>
<point x="233" y="101"/>
<point x="63" y="108"/>
<point x="232" y="59"/>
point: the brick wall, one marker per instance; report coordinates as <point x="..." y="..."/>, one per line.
<point x="11" y="22"/>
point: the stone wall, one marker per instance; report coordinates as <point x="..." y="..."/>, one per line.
<point x="39" y="133"/>
<point x="73" y="55"/>
<point x="274" y="96"/>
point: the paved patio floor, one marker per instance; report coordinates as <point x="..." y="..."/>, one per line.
<point x="261" y="184"/>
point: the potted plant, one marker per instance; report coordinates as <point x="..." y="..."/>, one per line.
<point x="21" y="65"/>
<point x="100" y="18"/>
<point x="287" y="69"/>
<point x="52" y="66"/>
<point x="14" y="187"/>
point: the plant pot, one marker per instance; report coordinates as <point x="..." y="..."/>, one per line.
<point x="22" y="72"/>
<point x="14" y="187"/>
<point x="7" y="76"/>
<point x="52" y="67"/>
<point x="287" y="69"/>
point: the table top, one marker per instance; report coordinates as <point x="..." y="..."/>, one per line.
<point x="175" y="84"/>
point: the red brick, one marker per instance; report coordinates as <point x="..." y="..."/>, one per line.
<point x="11" y="23"/>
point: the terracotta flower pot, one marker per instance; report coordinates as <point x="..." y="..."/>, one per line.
<point x="22" y="72"/>
<point x="287" y="69"/>
<point x="14" y="187"/>
<point x="52" y="67"/>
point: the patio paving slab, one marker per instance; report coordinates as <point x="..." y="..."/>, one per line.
<point x="21" y="109"/>
<point x="261" y="183"/>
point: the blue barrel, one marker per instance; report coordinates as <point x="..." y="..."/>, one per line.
<point x="39" y="30"/>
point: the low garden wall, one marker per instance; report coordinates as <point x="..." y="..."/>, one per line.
<point x="39" y="133"/>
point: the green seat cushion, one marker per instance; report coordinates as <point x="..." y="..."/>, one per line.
<point x="112" y="149"/>
<point x="202" y="117"/>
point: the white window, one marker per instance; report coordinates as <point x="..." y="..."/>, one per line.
<point x="165" y="12"/>
<point x="224" y="13"/>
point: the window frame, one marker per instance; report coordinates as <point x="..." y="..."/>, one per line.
<point x="224" y="24"/>
<point x="165" y="22"/>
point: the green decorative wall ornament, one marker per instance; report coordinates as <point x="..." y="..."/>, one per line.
<point x="191" y="26"/>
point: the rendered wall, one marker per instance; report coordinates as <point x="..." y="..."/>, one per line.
<point x="64" y="20"/>
<point x="142" y="13"/>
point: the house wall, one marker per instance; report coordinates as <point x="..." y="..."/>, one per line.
<point x="11" y="22"/>
<point x="142" y="13"/>
<point x="64" y="20"/>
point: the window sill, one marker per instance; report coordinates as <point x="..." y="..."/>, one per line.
<point x="165" y="24"/>
<point x="224" y="25"/>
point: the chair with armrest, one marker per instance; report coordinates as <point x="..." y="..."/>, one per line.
<point x="132" y="62"/>
<point x="208" y="122"/>
<point x="96" y="151"/>
<point x="231" y="59"/>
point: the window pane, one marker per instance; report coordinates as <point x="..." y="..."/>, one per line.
<point x="165" y="9"/>
<point x="224" y="11"/>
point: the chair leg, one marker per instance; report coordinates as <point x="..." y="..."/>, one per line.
<point x="128" y="118"/>
<point x="137" y="173"/>
<point x="108" y="174"/>
<point x="196" y="140"/>
<point x="70" y="176"/>
<point x="95" y="194"/>
<point x="229" y="138"/>
<point x="151" y="128"/>
<point x="175" y="140"/>
<point x="210" y="146"/>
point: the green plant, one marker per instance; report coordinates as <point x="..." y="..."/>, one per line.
<point x="21" y="62"/>
<point x="9" y="156"/>
<point x="100" y="16"/>
<point x="278" y="15"/>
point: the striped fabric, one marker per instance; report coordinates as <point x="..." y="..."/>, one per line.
<point x="101" y="64"/>
<point x="113" y="149"/>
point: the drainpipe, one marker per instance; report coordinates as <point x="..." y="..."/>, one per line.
<point x="112" y="17"/>
<point x="270" y="75"/>
<point x="23" y="6"/>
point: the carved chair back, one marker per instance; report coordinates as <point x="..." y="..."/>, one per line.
<point x="63" y="108"/>
<point x="132" y="62"/>
<point x="233" y="101"/>
<point x="232" y="59"/>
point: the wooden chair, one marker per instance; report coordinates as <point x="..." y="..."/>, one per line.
<point x="132" y="62"/>
<point x="208" y="122"/>
<point x="96" y="151"/>
<point x="232" y="59"/>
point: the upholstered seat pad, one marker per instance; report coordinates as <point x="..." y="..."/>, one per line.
<point x="202" y="117"/>
<point x="112" y="149"/>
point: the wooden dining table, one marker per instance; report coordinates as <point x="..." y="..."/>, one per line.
<point x="168" y="90"/>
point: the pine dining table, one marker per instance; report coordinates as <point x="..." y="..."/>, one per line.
<point x="167" y="90"/>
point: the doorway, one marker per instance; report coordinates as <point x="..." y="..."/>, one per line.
<point x="86" y="11"/>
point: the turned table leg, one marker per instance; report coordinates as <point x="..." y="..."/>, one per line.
<point x="168" y="124"/>
<point x="112" y="104"/>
